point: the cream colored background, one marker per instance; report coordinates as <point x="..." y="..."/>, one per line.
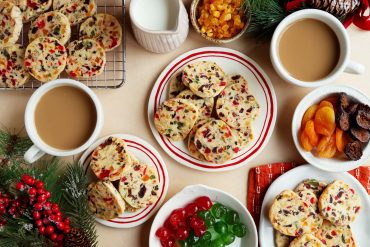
<point x="125" y="112"/>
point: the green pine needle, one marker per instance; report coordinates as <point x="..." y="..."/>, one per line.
<point x="12" y="145"/>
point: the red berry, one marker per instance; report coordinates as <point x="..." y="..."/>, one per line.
<point x="36" y="215"/>
<point x="163" y="233"/>
<point x="47" y="194"/>
<point x="58" y="214"/>
<point x="37" y="206"/>
<point x="12" y="210"/>
<point x="60" y="226"/>
<point x="41" y="191"/>
<point x="60" y="238"/>
<point x="49" y="230"/>
<point x="182" y="233"/>
<point x="2" y="209"/>
<point x="67" y="229"/>
<point x="39" y="184"/>
<point x="53" y="237"/>
<point x="58" y="218"/>
<point x="46" y="221"/>
<point x="16" y="204"/>
<point x="41" y="198"/>
<point x="41" y="230"/>
<point x="191" y="209"/>
<point x="32" y="191"/>
<point x="47" y="205"/>
<point x="48" y="212"/>
<point x="55" y="207"/>
<point x="25" y="177"/>
<point x="168" y="243"/>
<point x="19" y="186"/>
<point x="38" y="223"/>
<point x="204" y="203"/>
<point x="67" y="221"/>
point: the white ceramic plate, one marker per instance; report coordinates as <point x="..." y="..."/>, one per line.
<point x="233" y="62"/>
<point x="189" y="194"/>
<point x="145" y="153"/>
<point x="337" y="164"/>
<point x="291" y="179"/>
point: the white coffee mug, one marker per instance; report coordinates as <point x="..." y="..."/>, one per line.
<point x="344" y="64"/>
<point x="40" y="148"/>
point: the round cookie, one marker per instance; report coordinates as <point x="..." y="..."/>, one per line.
<point x="51" y="24"/>
<point x="75" y="10"/>
<point x="216" y="141"/>
<point x="104" y="29"/>
<point x="191" y="137"/>
<point x="332" y="235"/>
<point x="13" y="74"/>
<point x="205" y="79"/>
<point x="86" y="58"/>
<point x="339" y="203"/>
<point x="139" y="186"/>
<point x="282" y="240"/>
<point x="313" y="185"/>
<point x="306" y="240"/>
<point x="245" y="135"/>
<point x="32" y="8"/>
<point x="104" y="201"/>
<point x="175" y="118"/>
<point x="45" y="58"/>
<point x="110" y="159"/>
<point x="10" y="22"/>
<point x="236" y="78"/>
<point x="204" y="105"/>
<point x="175" y="85"/>
<point x="237" y="106"/>
<point x="291" y="216"/>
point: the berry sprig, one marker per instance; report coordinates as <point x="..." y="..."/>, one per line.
<point x="46" y="215"/>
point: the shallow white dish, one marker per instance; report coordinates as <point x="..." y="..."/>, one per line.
<point x="190" y="193"/>
<point x="233" y="62"/>
<point x="145" y="153"/>
<point x="314" y="97"/>
<point x="291" y="179"/>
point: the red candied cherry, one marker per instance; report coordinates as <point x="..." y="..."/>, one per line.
<point x="41" y="230"/>
<point x="163" y="233"/>
<point x="199" y="232"/>
<point x="19" y="186"/>
<point x="168" y="243"/>
<point x="182" y="233"/>
<point x="36" y="215"/>
<point x="191" y="209"/>
<point x="39" y="184"/>
<point x="196" y="222"/>
<point x="32" y="191"/>
<point x="38" y="223"/>
<point x="53" y="237"/>
<point x="49" y="230"/>
<point x="37" y="206"/>
<point x="180" y="212"/>
<point x="176" y="219"/>
<point x="54" y="208"/>
<point x="204" y="203"/>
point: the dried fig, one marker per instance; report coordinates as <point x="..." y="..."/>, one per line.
<point x="363" y="119"/>
<point x="353" y="150"/>
<point x="360" y="134"/>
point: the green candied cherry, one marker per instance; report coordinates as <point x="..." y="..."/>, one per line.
<point x="191" y="238"/>
<point x="206" y="236"/>
<point x="240" y="230"/>
<point x="210" y="221"/>
<point x="220" y="227"/>
<point x="184" y="243"/>
<point x="232" y="217"/>
<point x="218" y="210"/>
<point x="204" y="215"/>
<point x="217" y="243"/>
<point x="228" y="238"/>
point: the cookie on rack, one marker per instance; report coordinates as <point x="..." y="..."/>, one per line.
<point x="216" y="141"/>
<point x="339" y="203"/>
<point x="51" y="24"/>
<point x="332" y="235"/>
<point x="205" y="78"/>
<point x="86" y="58"/>
<point x="204" y="105"/>
<point x="139" y="186"/>
<point x="110" y="159"/>
<point x="237" y="106"/>
<point x="10" y="22"/>
<point x="45" y="58"/>
<point x="76" y="10"/>
<point x="291" y="216"/>
<point x="103" y="28"/>
<point x="313" y="185"/>
<point x="13" y="73"/>
<point x="191" y="137"/>
<point x="104" y="201"/>
<point x="282" y="240"/>
<point x="306" y="240"/>
<point x="175" y="118"/>
<point x="175" y="85"/>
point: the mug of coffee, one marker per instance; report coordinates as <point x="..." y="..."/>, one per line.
<point x="63" y="117"/>
<point x="311" y="48"/>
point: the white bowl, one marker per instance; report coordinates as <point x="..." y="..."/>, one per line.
<point x="189" y="194"/>
<point x="333" y="164"/>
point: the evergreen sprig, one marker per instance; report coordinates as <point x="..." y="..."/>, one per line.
<point x="12" y="146"/>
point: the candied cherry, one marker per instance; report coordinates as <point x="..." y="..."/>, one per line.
<point x="163" y="233"/>
<point x="168" y="243"/>
<point x="220" y="227"/>
<point x="228" y="238"/>
<point x="240" y="230"/>
<point x="196" y="222"/>
<point x="204" y="203"/>
<point x="176" y="220"/>
<point x="191" y="209"/>
<point x="182" y="233"/>
<point x="232" y="217"/>
<point x="218" y="210"/>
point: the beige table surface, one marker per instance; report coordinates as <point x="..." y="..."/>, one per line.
<point x="126" y="112"/>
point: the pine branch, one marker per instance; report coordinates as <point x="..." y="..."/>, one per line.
<point x="12" y="146"/>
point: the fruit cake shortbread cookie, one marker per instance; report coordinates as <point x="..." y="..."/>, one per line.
<point x="331" y="235"/>
<point x="191" y="137"/>
<point x="245" y="135"/>
<point x="75" y="10"/>
<point x="205" y="79"/>
<point x="110" y="159"/>
<point x="204" y="105"/>
<point x="235" y="78"/>
<point x="104" y="29"/>
<point x="291" y="216"/>
<point x="13" y="73"/>
<point x="339" y="203"/>
<point x="10" y="22"/>
<point x="175" y="85"/>
<point x="306" y="240"/>
<point x="139" y="186"/>
<point x="104" y="200"/>
<point x="45" y="58"/>
<point x="175" y="118"/>
<point x="282" y="240"/>
<point x="31" y="8"/>
<point x="51" y="24"/>
<point x="313" y="185"/>
<point x="216" y="141"/>
<point x="86" y="58"/>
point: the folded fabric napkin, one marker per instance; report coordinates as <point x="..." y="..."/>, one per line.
<point x="261" y="177"/>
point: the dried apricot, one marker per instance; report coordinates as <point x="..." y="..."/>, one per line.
<point x="309" y="129"/>
<point x="325" y="103"/>
<point x="305" y="142"/>
<point x="332" y="99"/>
<point x="326" y="147"/>
<point x="341" y="139"/>
<point x="308" y="115"/>
<point x="325" y="121"/>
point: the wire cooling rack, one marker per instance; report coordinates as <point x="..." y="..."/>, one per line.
<point x="114" y="75"/>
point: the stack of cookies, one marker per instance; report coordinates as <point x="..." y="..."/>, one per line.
<point x="125" y="184"/>
<point x="315" y="214"/>
<point x="48" y="53"/>
<point x="213" y="110"/>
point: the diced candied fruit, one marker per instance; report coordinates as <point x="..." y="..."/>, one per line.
<point x="325" y="121"/>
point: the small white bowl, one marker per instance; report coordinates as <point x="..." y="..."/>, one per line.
<point x="314" y="97"/>
<point x="189" y="194"/>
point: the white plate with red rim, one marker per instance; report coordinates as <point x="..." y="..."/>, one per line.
<point x="289" y="180"/>
<point x="232" y="62"/>
<point x="188" y="195"/>
<point x="146" y="154"/>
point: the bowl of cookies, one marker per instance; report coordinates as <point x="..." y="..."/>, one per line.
<point x="331" y="128"/>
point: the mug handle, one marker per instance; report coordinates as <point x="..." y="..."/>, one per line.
<point x="33" y="154"/>
<point x="354" y="68"/>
